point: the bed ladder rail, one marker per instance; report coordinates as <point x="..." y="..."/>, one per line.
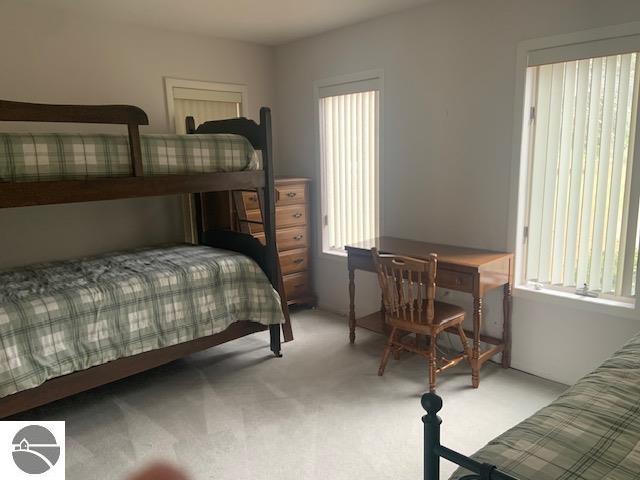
<point x="433" y="450"/>
<point x="243" y="226"/>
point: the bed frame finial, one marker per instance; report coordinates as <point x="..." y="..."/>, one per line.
<point x="432" y="403"/>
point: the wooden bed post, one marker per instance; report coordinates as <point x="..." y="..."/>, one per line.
<point x="269" y="201"/>
<point x="260" y="137"/>
<point x="269" y="213"/>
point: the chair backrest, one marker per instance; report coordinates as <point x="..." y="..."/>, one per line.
<point x="408" y="286"/>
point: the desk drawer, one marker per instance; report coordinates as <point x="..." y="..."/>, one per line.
<point x="291" y="195"/>
<point x="296" y="285"/>
<point x="293" y="261"/>
<point x="463" y="282"/>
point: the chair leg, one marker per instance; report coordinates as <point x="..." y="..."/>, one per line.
<point x="433" y="365"/>
<point x="396" y="353"/>
<point x="465" y="343"/>
<point x="387" y="352"/>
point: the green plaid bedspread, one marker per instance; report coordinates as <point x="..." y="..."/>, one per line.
<point x="54" y="156"/>
<point x="591" y="432"/>
<point x="62" y="317"/>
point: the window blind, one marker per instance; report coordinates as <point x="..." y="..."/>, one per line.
<point x="202" y="111"/>
<point x="582" y="221"/>
<point x="349" y="130"/>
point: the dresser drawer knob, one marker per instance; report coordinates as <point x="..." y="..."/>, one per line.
<point x="298" y="237"/>
<point x="297" y="215"/>
<point x="291" y="194"/>
<point x="298" y="260"/>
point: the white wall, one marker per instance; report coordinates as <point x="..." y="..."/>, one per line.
<point x="449" y="72"/>
<point x="52" y="57"/>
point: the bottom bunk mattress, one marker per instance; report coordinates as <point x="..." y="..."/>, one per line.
<point x="591" y="432"/>
<point x="61" y="317"/>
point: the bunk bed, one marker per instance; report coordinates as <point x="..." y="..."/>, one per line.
<point x="107" y="317"/>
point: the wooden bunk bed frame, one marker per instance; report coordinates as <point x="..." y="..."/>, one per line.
<point x="21" y="194"/>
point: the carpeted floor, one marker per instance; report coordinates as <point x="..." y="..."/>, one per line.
<point x="321" y="412"/>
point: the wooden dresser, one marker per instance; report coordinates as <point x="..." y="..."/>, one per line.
<point x="293" y="234"/>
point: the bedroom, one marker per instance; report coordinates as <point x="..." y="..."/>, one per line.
<point x="452" y="90"/>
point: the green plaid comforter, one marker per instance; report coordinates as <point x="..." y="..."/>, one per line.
<point x="54" y="156"/>
<point x="591" y="432"/>
<point x="62" y="317"/>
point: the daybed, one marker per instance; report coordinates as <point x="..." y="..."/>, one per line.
<point x="70" y="326"/>
<point x="591" y="432"/>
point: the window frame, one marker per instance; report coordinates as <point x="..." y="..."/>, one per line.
<point x="519" y="182"/>
<point x="376" y="75"/>
<point x="171" y="83"/>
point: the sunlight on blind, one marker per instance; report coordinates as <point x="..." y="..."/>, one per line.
<point x="581" y="157"/>
<point x="349" y="150"/>
<point x="202" y="111"/>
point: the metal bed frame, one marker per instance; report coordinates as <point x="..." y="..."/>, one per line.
<point x="434" y="450"/>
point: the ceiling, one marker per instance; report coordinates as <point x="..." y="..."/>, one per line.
<point x="270" y="22"/>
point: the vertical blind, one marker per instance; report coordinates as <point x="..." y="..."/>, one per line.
<point x="204" y="105"/>
<point x="582" y="223"/>
<point x="349" y="130"/>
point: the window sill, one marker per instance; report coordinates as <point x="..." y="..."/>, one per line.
<point x="333" y="255"/>
<point x="594" y="305"/>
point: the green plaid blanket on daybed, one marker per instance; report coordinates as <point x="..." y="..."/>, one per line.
<point x="56" y="156"/>
<point x="591" y="432"/>
<point x="62" y="317"/>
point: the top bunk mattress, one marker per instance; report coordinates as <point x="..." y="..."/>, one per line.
<point x="59" y="156"/>
<point x="591" y="432"/>
<point x="61" y="317"/>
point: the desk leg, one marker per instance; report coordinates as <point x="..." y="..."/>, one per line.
<point x="507" y="305"/>
<point x="477" y="325"/>
<point x="352" y="306"/>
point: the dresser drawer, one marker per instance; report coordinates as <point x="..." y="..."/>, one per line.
<point x="287" y="216"/>
<point x="285" y="195"/>
<point x="462" y="282"/>
<point x="288" y="238"/>
<point x="291" y="215"/>
<point x="250" y="200"/>
<point x="291" y="194"/>
<point x="296" y="285"/>
<point x="293" y="261"/>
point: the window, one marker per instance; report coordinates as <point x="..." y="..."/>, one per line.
<point x="349" y="115"/>
<point x="580" y="225"/>
<point x="204" y="101"/>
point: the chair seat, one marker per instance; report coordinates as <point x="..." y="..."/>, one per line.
<point x="445" y="315"/>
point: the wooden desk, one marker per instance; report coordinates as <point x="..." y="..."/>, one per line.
<point x="463" y="269"/>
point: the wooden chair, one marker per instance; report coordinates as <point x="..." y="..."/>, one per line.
<point x="408" y="293"/>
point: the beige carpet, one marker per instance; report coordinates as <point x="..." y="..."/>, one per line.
<point x="321" y="412"/>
